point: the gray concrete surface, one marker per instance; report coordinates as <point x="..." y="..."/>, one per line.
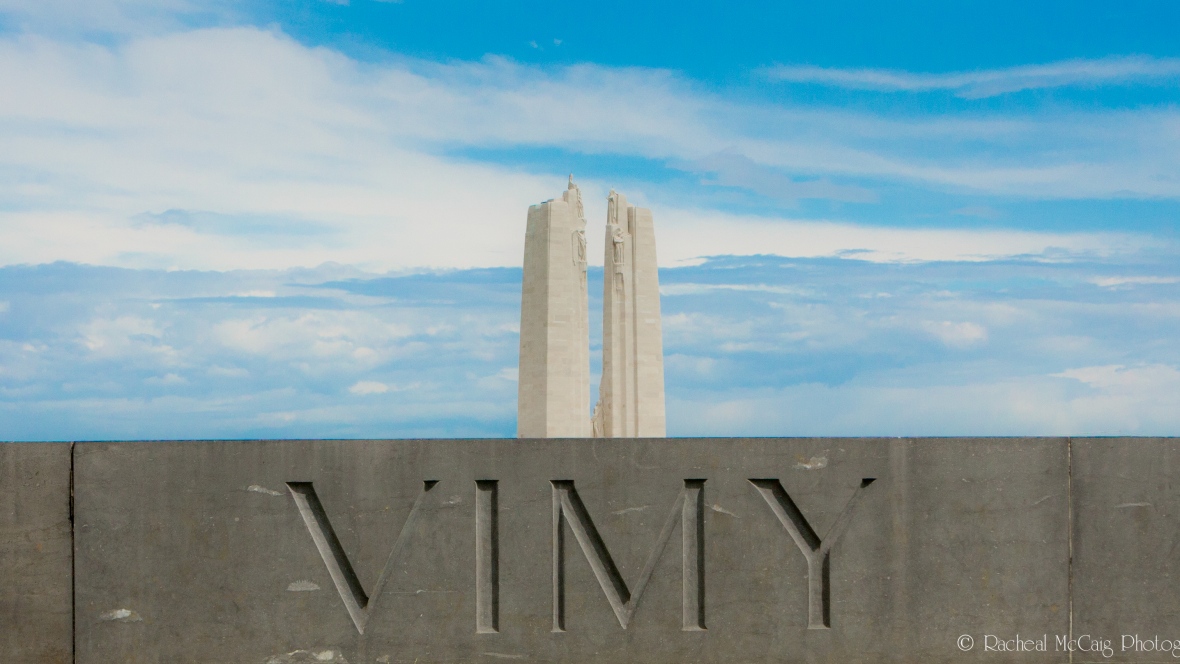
<point x="570" y="551"/>
<point x="35" y="603"/>
<point x="671" y="550"/>
<point x="1126" y="531"/>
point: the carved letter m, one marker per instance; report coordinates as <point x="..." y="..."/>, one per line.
<point x="688" y="510"/>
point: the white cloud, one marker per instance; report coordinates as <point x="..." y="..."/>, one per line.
<point x="696" y="289"/>
<point x="1142" y="399"/>
<point x="729" y="168"/>
<point x="166" y="380"/>
<point x="981" y="211"/>
<point x="325" y="339"/>
<point x="784" y="347"/>
<point x="1118" y="379"/>
<point x="1114" y="282"/>
<point x="703" y="366"/>
<point x="112" y="17"/>
<point x="237" y="122"/>
<point x="347" y="162"/>
<point x="685" y="234"/>
<point x="957" y="335"/>
<point x="1016" y="405"/>
<point x="707" y="326"/>
<point x="228" y="372"/>
<point x="369" y="387"/>
<point x="1114" y="70"/>
<point x="128" y="337"/>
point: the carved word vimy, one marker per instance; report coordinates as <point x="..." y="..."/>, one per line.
<point x="604" y="550"/>
<point x="570" y="513"/>
<point x="554" y="383"/>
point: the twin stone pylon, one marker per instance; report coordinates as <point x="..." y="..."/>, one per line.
<point x="554" y="387"/>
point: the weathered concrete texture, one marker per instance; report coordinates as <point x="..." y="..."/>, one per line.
<point x="538" y="550"/>
<point x="554" y="377"/>
<point x="1126" y="549"/>
<point x="35" y="558"/>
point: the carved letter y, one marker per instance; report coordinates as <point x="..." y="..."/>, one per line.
<point x="817" y="551"/>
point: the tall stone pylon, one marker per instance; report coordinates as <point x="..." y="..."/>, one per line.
<point x="554" y="378"/>
<point x="631" y="394"/>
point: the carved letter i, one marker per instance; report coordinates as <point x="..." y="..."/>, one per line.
<point x="487" y="557"/>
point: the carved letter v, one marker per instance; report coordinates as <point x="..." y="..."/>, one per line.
<point x="347" y="584"/>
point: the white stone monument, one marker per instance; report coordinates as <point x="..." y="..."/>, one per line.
<point x="554" y="383"/>
<point x="631" y="394"/>
<point x="554" y="388"/>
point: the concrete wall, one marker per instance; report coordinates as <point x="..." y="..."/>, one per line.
<point x="36" y="609"/>
<point x="679" y="550"/>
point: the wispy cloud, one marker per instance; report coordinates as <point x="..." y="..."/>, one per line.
<point x="760" y="346"/>
<point x="717" y="234"/>
<point x="182" y="354"/>
<point x="1115" y="282"/>
<point x="1114" y="70"/>
<point x="730" y="168"/>
<point x="362" y="387"/>
<point x="233" y="148"/>
<point x="981" y="211"/>
<point x="114" y="17"/>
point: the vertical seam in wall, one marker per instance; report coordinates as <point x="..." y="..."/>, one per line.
<point x="73" y="572"/>
<point x="1069" y="515"/>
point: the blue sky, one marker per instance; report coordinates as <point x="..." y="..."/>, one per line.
<point x="242" y="219"/>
